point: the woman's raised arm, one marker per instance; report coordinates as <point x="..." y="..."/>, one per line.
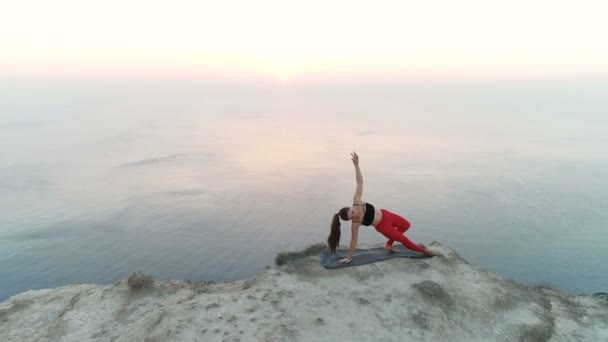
<point x="359" y="191"/>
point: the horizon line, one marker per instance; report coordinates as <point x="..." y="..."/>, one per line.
<point x="429" y="75"/>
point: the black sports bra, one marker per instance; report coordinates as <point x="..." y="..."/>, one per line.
<point x="368" y="213"/>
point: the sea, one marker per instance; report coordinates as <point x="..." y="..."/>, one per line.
<point x="208" y="179"/>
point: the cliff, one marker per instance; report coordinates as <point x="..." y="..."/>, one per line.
<point x="436" y="299"/>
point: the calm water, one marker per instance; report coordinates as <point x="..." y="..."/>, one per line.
<point x="195" y="180"/>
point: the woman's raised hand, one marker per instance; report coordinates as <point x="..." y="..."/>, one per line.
<point x="354" y="158"/>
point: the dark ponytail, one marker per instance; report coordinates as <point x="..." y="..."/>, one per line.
<point x="334" y="236"/>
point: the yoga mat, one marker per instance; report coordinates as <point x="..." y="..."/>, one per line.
<point x="366" y="256"/>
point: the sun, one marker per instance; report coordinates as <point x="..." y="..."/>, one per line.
<point x="284" y="77"/>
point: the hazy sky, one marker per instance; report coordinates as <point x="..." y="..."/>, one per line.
<point x="288" y="39"/>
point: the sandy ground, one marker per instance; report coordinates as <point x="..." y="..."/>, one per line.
<point x="439" y="299"/>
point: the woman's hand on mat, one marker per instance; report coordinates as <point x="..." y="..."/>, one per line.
<point x="345" y="260"/>
<point x="355" y="158"/>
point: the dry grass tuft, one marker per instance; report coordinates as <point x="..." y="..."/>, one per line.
<point x="200" y="286"/>
<point x="545" y="285"/>
<point x="285" y="258"/>
<point x="139" y="280"/>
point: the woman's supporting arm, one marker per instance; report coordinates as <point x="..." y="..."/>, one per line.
<point x="353" y="243"/>
<point x="353" y="239"/>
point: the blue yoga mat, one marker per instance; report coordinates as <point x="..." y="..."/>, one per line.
<point x="366" y="256"/>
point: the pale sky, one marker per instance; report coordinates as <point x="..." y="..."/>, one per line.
<point x="286" y="39"/>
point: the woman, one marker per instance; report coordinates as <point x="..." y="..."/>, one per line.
<point x="386" y="223"/>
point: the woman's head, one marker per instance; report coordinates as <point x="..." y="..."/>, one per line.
<point x="346" y="213"/>
<point x="333" y="240"/>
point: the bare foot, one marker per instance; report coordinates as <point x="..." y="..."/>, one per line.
<point x="392" y="249"/>
<point x="430" y="252"/>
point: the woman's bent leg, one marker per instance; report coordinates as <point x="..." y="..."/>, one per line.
<point x="393" y="234"/>
<point x="385" y="224"/>
<point x="402" y="224"/>
<point x="397" y="221"/>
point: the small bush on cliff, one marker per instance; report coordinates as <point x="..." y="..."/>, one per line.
<point x="544" y="285"/>
<point x="200" y="286"/>
<point x="284" y="258"/>
<point x="139" y="280"/>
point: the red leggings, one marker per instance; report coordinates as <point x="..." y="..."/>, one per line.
<point x="393" y="226"/>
